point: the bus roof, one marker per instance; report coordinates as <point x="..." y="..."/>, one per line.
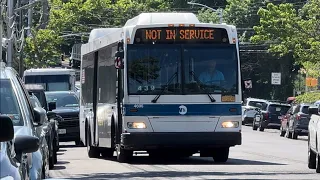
<point x="161" y="18"/>
<point x="100" y="32"/>
<point x="48" y="71"/>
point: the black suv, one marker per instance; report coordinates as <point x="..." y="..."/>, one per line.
<point x="272" y="112"/>
<point x="67" y="106"/>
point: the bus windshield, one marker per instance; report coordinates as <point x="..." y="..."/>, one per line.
<point x="182" y="69"/>
<point x="50" y="82"/>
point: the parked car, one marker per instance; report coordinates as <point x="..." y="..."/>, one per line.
<point x="272" y="112"/>
<point x="15" y="103"/>
<point x="38" y="90"/>
<point x="50" y="136"/>
<point x="67" y="106"/>
<point x="295" y="122"/>
<point x="12" y="153"/>
<point x="249" y="109"/>
<point x="314" y="139"/>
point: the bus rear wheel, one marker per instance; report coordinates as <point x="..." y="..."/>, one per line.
<point x="221" y="155"/>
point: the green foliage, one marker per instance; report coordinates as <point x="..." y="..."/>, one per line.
<point x="41" y="50"/>
<point x="291" y="31"/>
<point x="309" y="97"/>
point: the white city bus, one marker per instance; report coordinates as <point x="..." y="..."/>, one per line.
<point x="53" y="79"/>
<point x="179" y="88"/>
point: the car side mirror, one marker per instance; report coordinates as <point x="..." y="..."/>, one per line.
<point x="6" y="129"/>
<point x="40" y="116"/>
<point x="52" y="106"/>
<point x="51" y="114"/>
<point x="313" y="110"/>
<point x="26" y="144"/>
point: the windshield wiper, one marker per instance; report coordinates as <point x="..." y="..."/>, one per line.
<point x="199" y="84"/>
<point x="155" y="99"/>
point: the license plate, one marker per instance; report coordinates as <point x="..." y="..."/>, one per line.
<point x="62" y="131"/>
<point x="279" y="117"/>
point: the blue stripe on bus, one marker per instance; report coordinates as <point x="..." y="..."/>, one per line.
<point x="173" y="109"/>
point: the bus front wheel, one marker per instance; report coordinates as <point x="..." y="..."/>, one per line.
<point x="221" y="155"/>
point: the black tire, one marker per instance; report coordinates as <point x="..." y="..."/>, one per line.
<point x="261" y="128"/>
<point x="123" y="155"/>
<point x="51" y="157"/>
<point x="55" y="157"/>
<point x="311" y="158"/>
<point x="107" y="152"/>
<point x="221" y="155"/>
<point x="254" y="127"/>
<point x="294" y="135"/>
<point x="288" y="133"/>
<point x="282" y="132"/>
<point x="93" y="152"/>
<point x="317" y="163"/>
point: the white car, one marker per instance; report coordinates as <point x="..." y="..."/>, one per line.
<point x="249" y="109"/>
<point x="314" y="139"/>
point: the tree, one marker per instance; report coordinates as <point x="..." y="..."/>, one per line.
<point x="286" y="30"/>
<point x="41" y="50"/>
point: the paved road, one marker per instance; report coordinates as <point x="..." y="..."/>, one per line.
<point x="263" y="155"/>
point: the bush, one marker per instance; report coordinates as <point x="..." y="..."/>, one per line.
<point x="309" y="97"/>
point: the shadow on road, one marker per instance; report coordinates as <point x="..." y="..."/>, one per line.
<point x="178" y="174"/>
<point x="146" y="160"/>
<point x="57" y="167"/>
<point x="60" y="153"/>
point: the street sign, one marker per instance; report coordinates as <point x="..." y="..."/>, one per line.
<point x="248" y="84"/>
<point x="276" y="78"/>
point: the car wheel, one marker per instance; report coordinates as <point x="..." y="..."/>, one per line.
<point x="318" y="163"/>
<point x="107" y="152"/>
<point x="254" y="127"/>
<point x="221" y="155"/>
<point x="51" y="157"/>
<point x="311" y="158"/>
<point x="288" y="133"/>
<point x="282" y="132"/>
<point x="294" y="135"/>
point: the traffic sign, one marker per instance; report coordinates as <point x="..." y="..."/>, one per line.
<point x="276" y="78"/>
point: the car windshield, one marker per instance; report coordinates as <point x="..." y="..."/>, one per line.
<point x="282" y="109"/>
<point x="255" y="103"/>
<point x="8" y="103"/>
<point x="205" y="68"/>
<point x="305" y="110"/>
<point x="50" y="82"/>
<point x="63" y="99"/>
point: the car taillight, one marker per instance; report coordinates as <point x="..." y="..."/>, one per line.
<point x="298" y="117"/>
<point x="266" y="116"/>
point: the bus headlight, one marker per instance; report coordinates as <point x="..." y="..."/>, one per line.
<point x="230" y="124"/>
<point x="136" y="125"/>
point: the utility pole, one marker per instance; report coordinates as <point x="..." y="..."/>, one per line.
<point x="1" y="29"/>
<point x="9" y="33"/>
<point x="30" y="13"/>
<point x="21" y="50"/>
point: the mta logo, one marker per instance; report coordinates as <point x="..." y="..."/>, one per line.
<point x="183" y="110"/>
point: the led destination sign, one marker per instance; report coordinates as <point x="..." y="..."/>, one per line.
<point x="181" y="35"/>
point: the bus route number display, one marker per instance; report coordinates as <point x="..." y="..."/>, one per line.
<point x="181" y="35"/>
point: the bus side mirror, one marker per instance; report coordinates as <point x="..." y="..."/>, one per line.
<point x="118" y="62"/>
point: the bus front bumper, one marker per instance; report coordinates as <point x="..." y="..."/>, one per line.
<point x="198" y="140"/>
